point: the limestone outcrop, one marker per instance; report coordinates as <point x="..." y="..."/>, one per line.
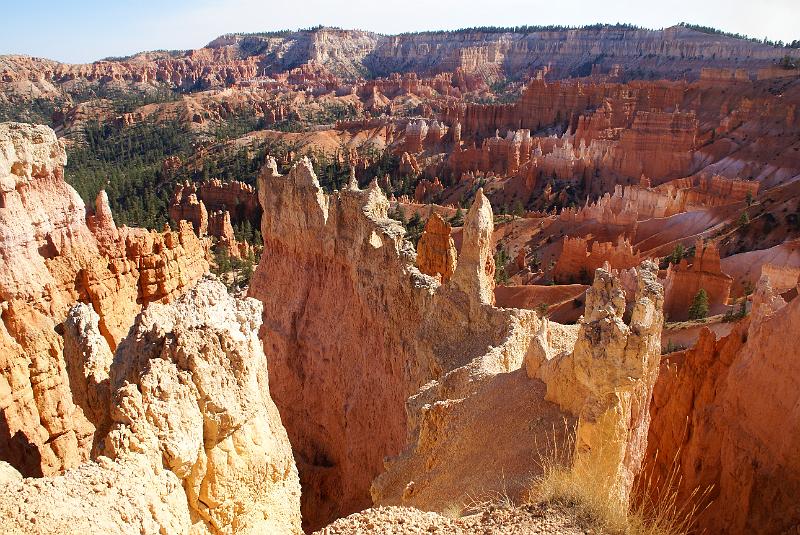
<point x="713" y="423"/>
<point x="194" y="443"/>
<point x="533" y="386"/>
<point x="617" y="364"/>
<point x="130" y="497"/>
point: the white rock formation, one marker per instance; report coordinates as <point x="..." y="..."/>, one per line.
<point x="195" y="445"/>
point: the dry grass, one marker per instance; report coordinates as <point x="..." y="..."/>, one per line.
<point x="655" y="509"/>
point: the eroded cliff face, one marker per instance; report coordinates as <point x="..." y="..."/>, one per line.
<point x="725" y="416"/>
<point x="194" y="443"/>
<point x="425" y="373"/>
<point x="54" y="255"/>
<point x="483" y="427"/>
<point x="233" y="58"/>
<point x="338" y="285"/>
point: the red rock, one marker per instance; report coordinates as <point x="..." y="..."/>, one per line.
<point x="408" y="165"/>
<point x="428" y="191"/>
<point x="577" y="260"/>
<point x="713" y="422"/>
<point x="56" y="255"/>
<point x="682" y="282"/>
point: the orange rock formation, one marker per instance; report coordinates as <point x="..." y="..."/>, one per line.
<point x="725" y="413"/>
<point x="407" y="372"/>
<point x="682" y="282"/>
<point x="436" y="252"/>
<point x="316" y="250"/>
<point x="192" y="202"/>
<point x="54" y="256"/>
<point x="577" y="260"/>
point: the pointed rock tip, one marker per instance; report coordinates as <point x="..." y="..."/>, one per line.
<point x="101" y="199"/>
<point x="480" y="204"/>
<point x="303" y="173"/>
<point x="353" y="183"/>
<point x="272" y="165"/>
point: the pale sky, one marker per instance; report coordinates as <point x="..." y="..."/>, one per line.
<point x="87" y="30"/>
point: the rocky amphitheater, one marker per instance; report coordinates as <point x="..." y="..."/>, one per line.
<point x="573" y="312"/>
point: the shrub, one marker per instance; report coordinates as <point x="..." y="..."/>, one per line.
<point x="655" y="509"/>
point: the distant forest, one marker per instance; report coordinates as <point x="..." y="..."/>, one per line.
<point x="525" y="29"/>
<point x="714" y="31"/>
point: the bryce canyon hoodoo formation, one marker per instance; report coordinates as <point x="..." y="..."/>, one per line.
<point x="340" y="282"/>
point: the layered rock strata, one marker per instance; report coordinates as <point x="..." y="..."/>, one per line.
<point x="234" y="59"/>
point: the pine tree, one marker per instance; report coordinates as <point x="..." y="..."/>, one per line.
<point x="458" y="218"/>
<point x="744" y="219"/>
<point x="699" y="307"/>
<point x="501" y="260"/>
<point x="677" y="254"/>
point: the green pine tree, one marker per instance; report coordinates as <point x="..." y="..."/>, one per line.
<point x="744" y="219"/>
<point x="699" y="307"/>
<point x="458" y="218"/>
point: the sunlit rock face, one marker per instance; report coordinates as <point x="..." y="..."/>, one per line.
<point x="419" y="374"/>
<point x="54" y="255"/>
<point x="192" y="442"/>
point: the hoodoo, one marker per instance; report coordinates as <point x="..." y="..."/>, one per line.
<point x="54" y="255"/>
<point x="192" y="441"/>
<point x="338" y="256"/>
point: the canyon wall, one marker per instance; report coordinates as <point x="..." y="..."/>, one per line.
<point x="341" y="297"/>
<point x="725" y="416"/>
<point x="239" y="59"/>
<point x="417" y="371"/>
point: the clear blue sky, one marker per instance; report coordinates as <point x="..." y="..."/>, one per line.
<point x="86" y="30"/>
